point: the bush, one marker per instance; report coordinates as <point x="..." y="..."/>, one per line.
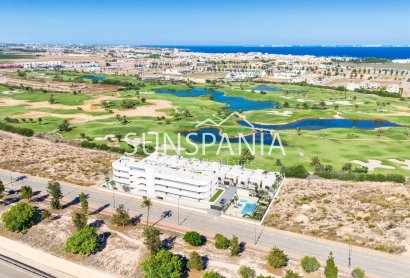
<point x="19" y="130"/>
<point x="19" y="218"/>
<point x="212" y="274"/>
<point x="292" y="274"/>
<point x="101" y="147"/>
<point x="26" y="192"/>
<point x="163" y="264"/>
<point x="152" y="239"/>
<point x="121" y="216"/>
<point x="246" y="272"/>
<point x="295" y="172"/>
<point x="358" y="273"/>
<point x="309" y="264"/>
<point x="84" y="242"/>
<point x="79" y="219"/>
<point x="221" y="242"/>
<point x="193" y="238"/>
<point x="195" y="261"/>
<point x="45" y="214"/>
<point x="277" y="258"/>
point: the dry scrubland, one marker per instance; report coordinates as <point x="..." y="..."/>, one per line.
<point x="60" y="161"/>
<point x="123" y="249"/>
<point x="374" y="215"/>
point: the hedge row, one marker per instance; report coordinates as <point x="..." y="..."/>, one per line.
<point x="361" y="176"/>
<point x="19" y="130"/>
<point x="101" y="147"/>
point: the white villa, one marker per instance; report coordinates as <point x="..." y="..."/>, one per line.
<point x="189" y="181"/>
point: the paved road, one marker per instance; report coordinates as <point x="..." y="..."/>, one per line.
<point x="374" y="262"/>
<point x="7" y="271"/>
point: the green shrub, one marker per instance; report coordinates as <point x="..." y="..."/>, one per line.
<point x="221" y="242"/>
<point x="358" y="273"/>
<point x="195" y="261"/>
<point x="212" y="274"/>
<point x="84" y="242"/>
<point x="19" y="130"/>
<point x="295" y="172"/>
<point x="19" y="218"/>
<point x="163" y="264"/>
<point x="309" y="264"/>
<point x="246" y="272"/>
<point x="193" y="238"/>
<point x="277" y="258"/>
<point x="292" y="274"/>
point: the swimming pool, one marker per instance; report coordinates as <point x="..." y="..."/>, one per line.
<point x="247" y="207"/>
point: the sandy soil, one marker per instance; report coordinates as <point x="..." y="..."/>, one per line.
<point x="124" y="250"/>
<point x="150" y="109"/>
<point x="55" y="86"/>
<point x="40" y="157"/>
<point x="375" y="215"/>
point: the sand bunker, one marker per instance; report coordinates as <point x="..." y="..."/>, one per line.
<point x="372" y="164"/>
<point x="149" y="109"/>
<point x="406" y="163"/>
<point x="284" y="113"/>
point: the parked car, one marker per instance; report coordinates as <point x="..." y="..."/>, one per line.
<point x="222" y="201"/>
<point x="10" y="191"/>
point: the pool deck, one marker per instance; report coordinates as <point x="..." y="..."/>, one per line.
<point x="236" y="211"/>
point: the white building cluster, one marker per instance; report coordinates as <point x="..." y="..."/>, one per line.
<point x="189" y="181"/>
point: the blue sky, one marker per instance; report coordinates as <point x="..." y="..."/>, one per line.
<point x="210" y="22"/>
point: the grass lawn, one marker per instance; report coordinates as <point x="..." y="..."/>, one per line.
<point x="216" y="195"/>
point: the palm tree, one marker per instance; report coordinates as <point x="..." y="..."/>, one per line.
<point x="146" y="203"/>
<point x="118" y="136"/>
<point x="298" y="131"/>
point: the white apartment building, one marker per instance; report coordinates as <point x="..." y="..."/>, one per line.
<point x="190" y="182"/>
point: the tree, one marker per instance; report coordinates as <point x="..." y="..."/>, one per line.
<point x="79" y="219"/>
<point x="221" y="242"/>
<point x="298" y="131"/>
<point x="121" y="216"/>
<point x="315" y="161"/>
<point x="246" y="272"/>
<point x="331" y="268"/>
<point x="64" y="126"/>
<point x="195" y="261"/>
<point x="84" y="202"/>
<point x="292" y="274"/>
<point x="358" y="273"/>
<point x="212" y="274"/>
<point x="1" y="189"/>
<point x="146" y="203"/>
<point x="26" y="192"/>
<point x="118" y="136"/>
<point x="152" y="239"/>
<point x="309" y="264"/>
<point x="235" y="246"/>
<point x="39" y="120"/>
<point x="277" y="258"/>
<point x="51" y="100"/>
<point x="246" y="156"/>
<point x="19" y="218"/>
<point x="193" y="238"/>
<point x="163" y="264"/>
<point x="54" y="189"/>
<point x="84" y="241"/>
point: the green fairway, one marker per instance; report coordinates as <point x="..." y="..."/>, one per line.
<point x="335" y="146"/>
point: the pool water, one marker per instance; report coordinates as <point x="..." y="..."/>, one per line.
<point x="234" y="103"/>
<point x="93" y="77"/>
<point x="266" y="88"/>
<point x="249" y="208"/>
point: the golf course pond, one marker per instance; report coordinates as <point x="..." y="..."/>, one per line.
<point x="234" y="103"/>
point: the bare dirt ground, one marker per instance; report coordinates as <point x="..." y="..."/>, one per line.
<point x="374" y="215"/>
<point x="150" y="109"/>
<point x="123" y="250"/>
<point x="40" y="157"/>
<point x="55" y="86"/>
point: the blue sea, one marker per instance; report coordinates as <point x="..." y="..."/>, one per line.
<point x="389" y="52"/>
